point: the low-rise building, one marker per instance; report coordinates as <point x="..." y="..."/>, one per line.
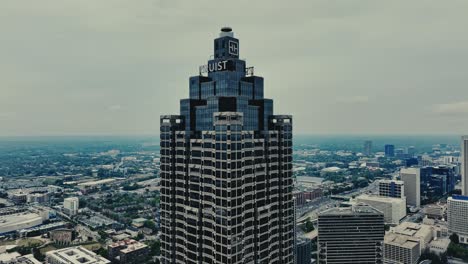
<point x="16" y="258"/>
<point x="19" y="197"/>
<point x="420" y="232"/>
<point x="19" y="219"/>
<point x="61" y="236"/>
<point x="439" y="228"/>
<point x="38" y="230"/>
<point x="439" y="246"/>
<point x="435" y="211"/>
<point x="404" y="243"/>
<point x="401" y="249"/>
<point x="139" y="222"/>
<point x="38" y="197"/>
<point x="128" y="251"/>
<point x="74" y="255"/>
<point x="306" y="195"/>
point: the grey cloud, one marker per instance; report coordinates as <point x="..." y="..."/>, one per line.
<point x="66" y="63"/>
<point x="354" y="99"/>
<point x="455" y="108"/>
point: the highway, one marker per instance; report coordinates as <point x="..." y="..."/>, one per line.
<point x="314" y="207"/>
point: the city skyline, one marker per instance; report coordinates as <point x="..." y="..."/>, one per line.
<point x="208" y="132"/>
<point x="106" y="69"/>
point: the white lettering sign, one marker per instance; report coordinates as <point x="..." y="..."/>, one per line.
<point x="214" y="66"/>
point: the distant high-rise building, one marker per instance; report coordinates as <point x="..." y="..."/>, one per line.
<point x="368" y="147"/>
<point x="400" y="153"/>
<point x="449" y="173"/>
<point x="457" y="216"/>
<point x="351" y="235"/>
<point x="411" y="162"/>
<point x="389" y="151"/>
<point x="436" y="181"/>
<point x="411" y="151"/>
<point x="392" y="188"/>
<point x="303" y="250"/>
<point x="71" y="205"/>
<point x="464" y="165"/>
<point x="226" y="169"/>
<point x="412" y="179"/>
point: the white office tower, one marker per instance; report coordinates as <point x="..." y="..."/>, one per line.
<point x="412" y="180"/>
<point x="464" y="165"/>
<point x="457" y="216"/>
<point x="392" y="188"/>
<point x="71" y="205"/>
<point x="394" y="209"/>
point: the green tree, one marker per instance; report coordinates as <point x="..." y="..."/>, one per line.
<point x="454" y="238"/>
<point x="308" y="226"/>
<point x="150" y="224"/>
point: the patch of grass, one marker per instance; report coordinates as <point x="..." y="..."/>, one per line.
<point x="7" y="242"/>
<point x="93" y="246"/>
<point x="30" y="242"/>
<point x="47" y="249"/>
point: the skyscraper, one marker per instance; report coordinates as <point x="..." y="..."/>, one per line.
<point x="389" y="151"/>
<point x="464" y="165"/>
<point x="412" y="179"/>
<point x="226" y="169"/>
<point x="367" y="147"/>
<point x="457" y="216"/>
<point x="351" y="235"/>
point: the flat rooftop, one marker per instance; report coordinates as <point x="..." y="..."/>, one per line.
<point x="77" y="255"/>
<point x="413" y="230"/>
<point x="358" y="209"/>
<point x="459" y="197"/>
<point x="19" y="218"/>
<point x="400" y="241"/>
<point x="380" y="198"/>
<point x="389" y="181"/>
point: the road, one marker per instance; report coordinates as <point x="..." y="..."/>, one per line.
<point x="314" y="207"/>
<point x="456" y="261"/>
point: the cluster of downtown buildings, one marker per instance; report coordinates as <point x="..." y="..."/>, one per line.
<point x="227" y="191"/>
<point x="227" y="184"/>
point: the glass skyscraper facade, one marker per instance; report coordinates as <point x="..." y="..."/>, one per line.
<point x="226" y="169"/>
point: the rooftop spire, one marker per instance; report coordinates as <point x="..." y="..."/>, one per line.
<point x="226" y="32"/>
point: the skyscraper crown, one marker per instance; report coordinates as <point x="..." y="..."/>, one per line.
<point x="226" y="84"/>
<point x="226" y="46"/>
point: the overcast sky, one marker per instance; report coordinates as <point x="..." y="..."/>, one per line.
<point x="86" y="67"/>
